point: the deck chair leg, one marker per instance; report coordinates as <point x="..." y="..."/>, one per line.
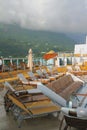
<point x="66" y="127"/>
<point x="61" y="123"/>
<point x="16" y="113"/>
<point x="69" y="127"/>
<point x="20" y="120"/>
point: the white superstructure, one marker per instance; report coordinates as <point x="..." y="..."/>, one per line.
<point x="81" y="49"/>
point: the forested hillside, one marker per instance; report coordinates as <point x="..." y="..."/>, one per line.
<point x="16" y="41"/>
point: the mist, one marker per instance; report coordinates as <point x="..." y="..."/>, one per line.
<point x="49" y="15"/>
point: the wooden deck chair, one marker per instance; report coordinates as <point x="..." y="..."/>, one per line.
<point x="52" y="75"/>
<point x="24" y="81"/>
<point x="32" y="76"/>
<point x="45" y="77"/>
<point x="44" y="81"/>
<point x="30" y="91"/>
<point x="40" y="73"/>
<point x="10" y="87"/>
<point x="29" y="105"/>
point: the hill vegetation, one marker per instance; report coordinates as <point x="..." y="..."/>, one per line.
<point x="16" y="41"/>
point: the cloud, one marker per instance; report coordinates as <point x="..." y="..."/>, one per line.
<point x="53" y="15"/>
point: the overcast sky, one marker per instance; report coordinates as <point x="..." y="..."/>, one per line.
<point x="54" y="15"/>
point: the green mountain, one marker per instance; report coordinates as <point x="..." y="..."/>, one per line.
<point x="16" y="41"/>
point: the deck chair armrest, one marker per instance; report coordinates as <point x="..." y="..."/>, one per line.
<point x="20" y="92"/>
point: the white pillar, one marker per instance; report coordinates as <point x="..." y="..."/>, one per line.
<point x="65" y="61"/>
<point x="57" y="62"/>
<point x="11" y="61"/>
<point x="17" y="62"/>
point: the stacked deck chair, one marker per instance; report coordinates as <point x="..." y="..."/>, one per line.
<point x="26" y="104"/>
